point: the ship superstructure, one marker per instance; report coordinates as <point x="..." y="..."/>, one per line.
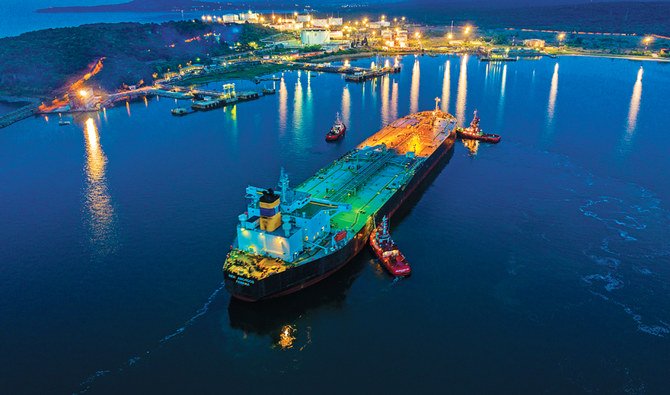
<point x="290" y="238"/>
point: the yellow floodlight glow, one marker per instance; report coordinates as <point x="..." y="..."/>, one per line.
<point x="83" y="93"/>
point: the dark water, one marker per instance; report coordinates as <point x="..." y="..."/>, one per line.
<point x="540" y="264"/>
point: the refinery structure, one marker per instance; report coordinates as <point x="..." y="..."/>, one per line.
<point x="330" y="32"/>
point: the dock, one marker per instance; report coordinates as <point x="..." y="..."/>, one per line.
<point x="497" y="59"/>
<point x="371" y="73"/>
<point x="357" y="73"/>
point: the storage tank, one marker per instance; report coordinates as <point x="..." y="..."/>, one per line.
<point x="314" y="36"/>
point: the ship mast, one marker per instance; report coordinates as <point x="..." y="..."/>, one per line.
<point x="383" y="235"/>
<point x="283" y="185"/>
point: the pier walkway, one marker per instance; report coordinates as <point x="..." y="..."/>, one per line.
<point x="17" y="115"/>
<point x="352" y="73"/>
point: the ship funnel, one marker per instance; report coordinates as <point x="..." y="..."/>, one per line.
<point x="270" y="213"/>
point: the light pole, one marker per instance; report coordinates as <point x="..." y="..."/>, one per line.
<point x="647" y="40"/>
<point x="561" y="37"/>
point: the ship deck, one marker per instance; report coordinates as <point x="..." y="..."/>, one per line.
<point x="379" y="172"/>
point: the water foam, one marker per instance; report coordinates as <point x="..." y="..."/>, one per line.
<point x="660" y="330"/>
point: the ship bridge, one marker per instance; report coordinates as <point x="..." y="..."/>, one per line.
<point x="280" y="224"/>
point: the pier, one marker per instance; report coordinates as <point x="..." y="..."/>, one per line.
<point x="351" y="73"/>
<point x="371" y="73"/>
<point x="17" y="115"/>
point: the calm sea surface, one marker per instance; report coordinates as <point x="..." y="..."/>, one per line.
<point x="539" y="265"/>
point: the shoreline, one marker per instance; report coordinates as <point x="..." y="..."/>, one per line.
<point x="614" y="56"/>
<point x="267" y="69"/>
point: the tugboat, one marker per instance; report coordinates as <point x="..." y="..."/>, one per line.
<point x="387" y="251"/>
<point x="474" y="132"/>
<point x="337" y="131"/>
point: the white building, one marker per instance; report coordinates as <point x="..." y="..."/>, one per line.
<point x="303" y="18"/>
<point x="336" y="34"/>
<point x="320" y="23"/>
<point x="314" y="36"/>
<point x="379" y="24"/>
<point x="335" y="21"/>
<point x="230" y="18"/>
<point x="288" y="25"/>
<point x="249" y="16"/>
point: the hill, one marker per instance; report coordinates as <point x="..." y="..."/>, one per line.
<point x="138" y="6"/>
<point x="40" y="63"/>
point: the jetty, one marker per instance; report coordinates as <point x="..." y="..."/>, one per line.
<point x="17" y="115"/>
<point x="358" y="73"/>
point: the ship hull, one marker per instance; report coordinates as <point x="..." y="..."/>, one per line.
<point x="300" y="277"/>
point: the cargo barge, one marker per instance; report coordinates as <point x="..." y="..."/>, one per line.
<point x="291" y="238"/>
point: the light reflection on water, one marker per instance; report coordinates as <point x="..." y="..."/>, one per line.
<point x="283" y="105"/>
<point x="286" y="337"/>
<point x="98" y="202"/>
<point x="635" y="103"/>
<point x="346" y="104"/>
<point x="414" y="90"/>
<point x="297" y="105"/>
<point x="446" y="86"/>
<point x="462" y="91"/>
<point x="394" y="100"/>
<point x="385" y="112"/>
<point x="552" y="95"/>
<point x="501" y="100"/>
<point x="471" y="145"/>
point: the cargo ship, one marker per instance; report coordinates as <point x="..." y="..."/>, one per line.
<point x="291" y="238"/>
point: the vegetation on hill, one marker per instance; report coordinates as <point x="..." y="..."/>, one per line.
<point x="41" y="63"/>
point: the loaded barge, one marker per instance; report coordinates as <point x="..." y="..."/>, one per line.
<point x="291" y="238"/>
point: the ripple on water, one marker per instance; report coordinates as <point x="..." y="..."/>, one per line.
<point x="85" y="385"/>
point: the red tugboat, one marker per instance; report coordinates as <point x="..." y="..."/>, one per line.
<point x="474" y="132"/>
<point x="337" y="131"/>
<point x="387" y="251"/>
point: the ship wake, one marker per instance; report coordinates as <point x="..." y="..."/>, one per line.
<point x="86" y="385"/>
